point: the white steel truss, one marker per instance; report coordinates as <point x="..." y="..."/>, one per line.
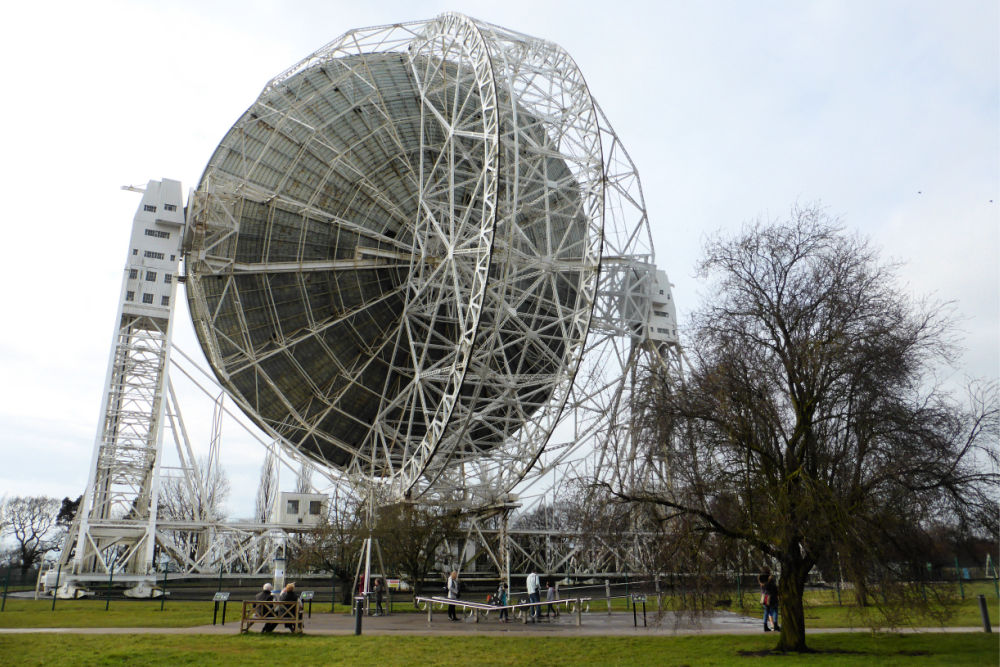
<point x="115" y="527"/>
<point x="420" y="259"/>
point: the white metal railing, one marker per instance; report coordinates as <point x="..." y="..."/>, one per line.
<point x="479" y="610"/>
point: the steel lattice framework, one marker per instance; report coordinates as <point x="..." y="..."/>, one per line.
<point x="393" y="255"/>
<point x="422" y="260"/>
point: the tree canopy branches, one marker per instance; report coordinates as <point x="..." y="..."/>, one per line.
<point x="810" y="422"/>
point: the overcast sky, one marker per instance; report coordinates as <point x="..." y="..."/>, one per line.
<point x="886" y="112"/>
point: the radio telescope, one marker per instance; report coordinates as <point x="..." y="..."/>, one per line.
<point x="393" y="255"/>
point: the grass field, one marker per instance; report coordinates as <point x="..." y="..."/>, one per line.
<point x="122" y="614"/>
<point x="836" y="649"/>
<point x="822" y="611"/>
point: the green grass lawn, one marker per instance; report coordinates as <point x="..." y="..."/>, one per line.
<point x="822" y="611"/>
<point x="837" y="649"/>
<point x="122" y="614"/>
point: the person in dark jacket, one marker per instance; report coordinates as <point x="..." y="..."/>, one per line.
<point x="379" y="593"/>
<point x="288" y="594"/>
<point x="771" y="603"/>
<point x="265" y="595"/>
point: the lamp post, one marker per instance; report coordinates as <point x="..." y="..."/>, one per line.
<point x="55" y="589"/>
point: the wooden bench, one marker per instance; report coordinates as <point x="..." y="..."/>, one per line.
<point x="276" y="611"/>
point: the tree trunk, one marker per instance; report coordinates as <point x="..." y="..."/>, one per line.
<point x="791" y="615"/>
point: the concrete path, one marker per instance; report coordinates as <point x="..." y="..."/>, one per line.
<point x="594" y="624"/>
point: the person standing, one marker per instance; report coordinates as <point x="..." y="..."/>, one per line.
<point x="761" y="581"/>
<point x="502" y="597"/>
<point x="379" y="593"/>
<point x="454" y="589"/>
<point x="533" y="586"/>
<point x="771" y="603"/>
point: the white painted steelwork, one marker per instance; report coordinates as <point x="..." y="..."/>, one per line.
<point x="393" y="255"/>
<point x="421" y="259"/>
<point x="116" y="523"/>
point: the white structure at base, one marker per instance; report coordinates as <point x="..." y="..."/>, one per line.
<point x="302" y="510"/>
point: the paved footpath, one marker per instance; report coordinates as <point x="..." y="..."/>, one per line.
<point x="594" y="624"/>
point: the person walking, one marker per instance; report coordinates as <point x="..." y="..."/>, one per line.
<point x="550" y="596"/>
<point x="533" y="596"/>
<point x="454" y="589"/>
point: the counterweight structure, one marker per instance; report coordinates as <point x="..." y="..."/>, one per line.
<point x="116" y="524"/>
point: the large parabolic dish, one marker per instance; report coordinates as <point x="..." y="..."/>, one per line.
<point x="392" y="256"/>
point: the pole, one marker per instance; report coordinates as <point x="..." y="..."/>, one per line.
<point x="107" y="601"/>
<point x="958" y="573"/>
<point x="996" y="580"/>
<point x="626" y="587"/>
<point x="163" y="588"/>
<point x="985" y="613"/>
<point x="358" y="608"/>
<point x="840" y="572"/>
<point x="55" y="591"/>
<point x="368" y="571"/>
<point x="607" y="592"/>
<point x="6" y="583"/>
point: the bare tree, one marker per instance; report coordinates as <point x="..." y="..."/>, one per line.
<point x="268" y="490"/>
<point x="410" y="537"/>
<point x="31" y="520"/>
<point x="810" y="423"/>
<point x="195" y="497"/>
<point x="303" y="481"/>
<point x="333" y="546"/>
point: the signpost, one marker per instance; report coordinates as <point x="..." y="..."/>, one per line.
<point x="638" y="597"/>
<point x="223" y="597"/>
<point x="164" y="562"/>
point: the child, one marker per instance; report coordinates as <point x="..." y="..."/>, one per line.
<point x="502" y="599"/>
